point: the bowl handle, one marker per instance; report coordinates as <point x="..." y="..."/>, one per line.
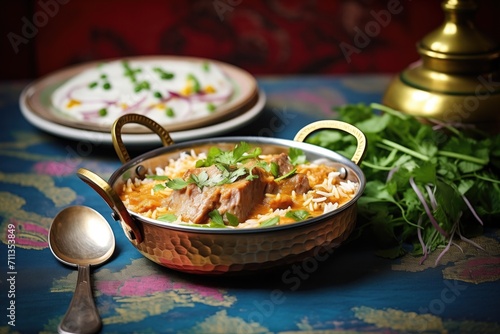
<point x="336" y="125"/>
<point x="116" y="133"/>
<point x="113" y="200"/>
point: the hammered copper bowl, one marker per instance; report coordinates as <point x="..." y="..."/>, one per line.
<point x="201" y="250"/>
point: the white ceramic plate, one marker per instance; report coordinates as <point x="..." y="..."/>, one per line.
<point x="98" y="137"/>
<point x="245" y="103"/>
<point x="39" y="95"/>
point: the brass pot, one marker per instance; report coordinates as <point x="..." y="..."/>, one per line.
<point x="457" y="77"/>
<point x="201" y="250"/>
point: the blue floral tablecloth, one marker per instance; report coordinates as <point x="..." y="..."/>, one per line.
<point x="352" y="290"/>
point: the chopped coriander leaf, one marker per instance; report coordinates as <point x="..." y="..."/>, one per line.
<point x="93" y="84"/>
<point x="158" y="95"/>
<point x="168" y="217"/>
<point x="236" y="174"/>
<point x="176" y="184"/>
<point x="141" y="85"/>
<point x="169" y="112"/>
<point x="158" y="187"/>
<point x="205" y="66"/>
<point x="211" y="107"/>
<point x="106" y="86"/>
<point x="296" y="156"/>
<point x="104" y="76"/>
<point x="270" y="222"/>
<point x="284" y="176"/>
<point x="274" y="168"/>
<point x="103" y="112"/>
<point x="167" y="76"/>
<point x="240" y="153"/>
<point x="232" y="219"/>
<point x="201" y="180"/>
<point x="194" y="81"/>
<point x="298" y="215"/>
<point x="216" y="219"/>
<point x="214" y="224"/>
<point x="251" y="175"/>
<point x="163" y="74"/>
<point x="158" y="177"/>
<point x="129" y="72"/>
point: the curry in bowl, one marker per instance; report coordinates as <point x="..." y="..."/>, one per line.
<point x="233" y="204"/>
<point x="240" y="187"/>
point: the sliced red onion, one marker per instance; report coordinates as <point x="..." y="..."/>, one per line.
<point x="426" y="208"/>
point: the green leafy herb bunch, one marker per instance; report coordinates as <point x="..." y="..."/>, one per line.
<point x="428" y="183"/>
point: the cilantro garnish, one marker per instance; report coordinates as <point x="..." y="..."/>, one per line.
<point x="158" y="177"/>
<point x="177" y="183"/>
<point x="298" y="215"/>
<point x="168" y="217"/>
<point x="240" y="153"/>
<point x="232" y="219"/>
<point x="164" y="75"/>
<point x="194" y="81"/>
<point x="131" y="73"/>
<point x="158" y="187"/>
<point x="270" y="222"/>
<point x="296" y="156"/>
<point x="427" y="183"/>
<point x="284" y="176"/>
<point x="230" y="163"/>
<point x="169" y="112"/>
<point x="217" y="220"/>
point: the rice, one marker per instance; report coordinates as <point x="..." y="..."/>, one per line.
<point x="327" y="192"/>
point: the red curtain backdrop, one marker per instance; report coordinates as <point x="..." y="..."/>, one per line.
<point x="263" y="37"/>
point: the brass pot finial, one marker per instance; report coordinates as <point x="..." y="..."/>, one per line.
<point x="458" y="76"/>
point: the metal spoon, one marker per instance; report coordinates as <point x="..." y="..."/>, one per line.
<point x="80" y="236"/>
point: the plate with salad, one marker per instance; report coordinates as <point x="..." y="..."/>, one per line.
<point x="180" y="93"/>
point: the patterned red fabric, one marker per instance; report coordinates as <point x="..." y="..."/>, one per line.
<point x="264" y="37"/>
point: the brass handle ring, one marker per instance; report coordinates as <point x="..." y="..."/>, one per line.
<point x="116" y="133"/>
<point x="336" y="125"/>
<point x="113" y="200"/>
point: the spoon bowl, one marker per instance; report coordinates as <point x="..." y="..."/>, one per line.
<point x="80" y="236"/>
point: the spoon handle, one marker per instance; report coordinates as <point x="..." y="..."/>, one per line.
<point x="82" y="315"/>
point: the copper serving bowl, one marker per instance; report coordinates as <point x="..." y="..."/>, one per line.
<point x="202" y="250"/>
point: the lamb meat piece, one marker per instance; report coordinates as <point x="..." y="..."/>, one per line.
<point x="298" y="182"/>
<point x="284" y="164"/>
<point x="211" y="171"/>
<point x="238" y="198"/>
<point x="193" y="203"/>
